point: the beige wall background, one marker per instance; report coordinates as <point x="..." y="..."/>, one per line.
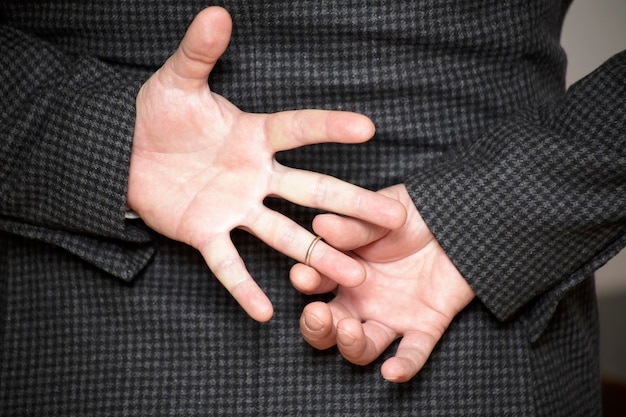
<point x="595" y="30"/>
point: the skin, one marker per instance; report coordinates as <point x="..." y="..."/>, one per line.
<point x="200" y="167"/>
<point x="412" y="291"/>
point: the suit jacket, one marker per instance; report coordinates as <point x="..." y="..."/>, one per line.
<point x="523" y="184"/>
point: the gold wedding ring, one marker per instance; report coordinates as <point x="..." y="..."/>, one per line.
<point x="309" y="251"/>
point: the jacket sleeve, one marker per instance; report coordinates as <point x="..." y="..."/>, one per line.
<point x="538" y="203"/>
<point x="66" y="127"/>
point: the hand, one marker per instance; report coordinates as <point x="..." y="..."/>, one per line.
<point x="200" y="167"/>
<point x="412" y="290"/>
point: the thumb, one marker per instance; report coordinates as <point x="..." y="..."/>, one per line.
<point x="204" y="43"/>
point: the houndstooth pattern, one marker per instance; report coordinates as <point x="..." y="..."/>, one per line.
<point x="522" y="184"/>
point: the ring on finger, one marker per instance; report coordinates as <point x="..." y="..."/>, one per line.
<point x="309" y="251"/>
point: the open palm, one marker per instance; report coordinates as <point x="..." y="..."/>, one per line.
<point x="200" y="167"/>
<point x="412" y="290"/>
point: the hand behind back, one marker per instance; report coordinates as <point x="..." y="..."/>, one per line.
<point x="200" y="167"/>
<point x="412" y="290"/>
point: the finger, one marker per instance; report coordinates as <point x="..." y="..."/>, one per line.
<point x="361" y="343"/>
<point x="317" y="323"/>
<point x="308" y="281"/>
<point x="413" y="352"/>
<point x="225" y="262"/>
<point x="291" y="239"/>
<point x="204" y="43"/>
<point x="292" y="129"/>
<point x="345" y="233"/>
<point x="324" y="192"/>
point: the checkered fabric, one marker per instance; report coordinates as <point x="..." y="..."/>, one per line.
<point x="524" y="186"/>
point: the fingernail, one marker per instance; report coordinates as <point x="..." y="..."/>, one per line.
<point x="313" y="323"/>
<point x="345" y="338"/>
<point x="393" y="379"/>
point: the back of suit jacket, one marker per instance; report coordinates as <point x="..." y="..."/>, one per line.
<point x="522" y="184"/>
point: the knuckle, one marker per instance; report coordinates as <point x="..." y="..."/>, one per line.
<point x="320" y="191"/>
<point x="288" y="235"/>
<point x="226" y="264"/>
<point x="357" y="203"/>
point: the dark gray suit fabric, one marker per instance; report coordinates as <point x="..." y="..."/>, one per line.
<point x="523" y="185"/>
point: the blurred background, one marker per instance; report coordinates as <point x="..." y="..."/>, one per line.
<point x="595" y="30"/>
